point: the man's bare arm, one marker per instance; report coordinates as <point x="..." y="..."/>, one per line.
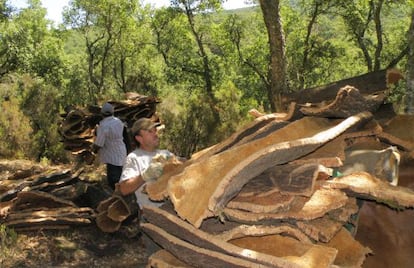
<point x="131" y="185"/>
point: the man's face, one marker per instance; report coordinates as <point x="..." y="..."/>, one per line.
<point x="148" y="139"/>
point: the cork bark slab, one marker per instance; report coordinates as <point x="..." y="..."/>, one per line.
<point x="181" y="230"/>
<point x="252" y="128"/>
<point x="272" y="202"/>
<point x="194" y="255"/>
<point x="400" y="131"/>
<point x="164" y="259"/>
<point x="325" y="228"/>
<point x="294" y="179"/>
<point x="264" y="230"/>
<point x="308" y="209"/>
<point x="368" y="83"/>
<point x="287" y="180"/>
<point x="332" y="153"/>
<point x="204" y="188"/>
<point x="350" y="252"/>
<point x="308" y="255"/>
<point x="157" y="190"/>
<point x="341" y="108"/>
<point x="364" y="185"/>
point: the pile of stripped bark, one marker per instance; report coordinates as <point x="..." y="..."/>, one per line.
<point x="285" y="190"/>
<point x="78" y="127"/>
<point x="38" y="197"/>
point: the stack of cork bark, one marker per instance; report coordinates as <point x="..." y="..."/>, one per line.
<point x="79" y="124"/>
<point x="36" y="197"/>
<point x="273" y="195"/>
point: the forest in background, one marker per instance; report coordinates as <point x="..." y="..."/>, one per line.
<point x="208" y="66"/>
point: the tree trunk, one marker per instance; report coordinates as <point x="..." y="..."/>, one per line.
<point x="278" y="65"/>
<point x="409" y="101"/>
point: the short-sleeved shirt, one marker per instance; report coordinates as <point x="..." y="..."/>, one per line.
<point x="110" y="138"/>
<point x="136" y="163"/>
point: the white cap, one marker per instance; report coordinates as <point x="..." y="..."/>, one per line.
<point x="107" y="109"/>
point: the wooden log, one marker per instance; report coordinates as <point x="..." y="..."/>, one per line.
<point x="204" y="188"/>
<point x="157" y="190"/>
<point x="118" y="210"/>
<point x="45" y="181"/>
<point x="297" y="179"/>
<point x="293" y="113"/>
<point x="332" y="153"/>
<point x="250" y="129"/>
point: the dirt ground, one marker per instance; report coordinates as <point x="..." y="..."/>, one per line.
<point x="74" y="247"/>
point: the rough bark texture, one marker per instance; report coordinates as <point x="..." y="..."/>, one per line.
<point x="367" y="84"/>
<point x="230" y="170"/>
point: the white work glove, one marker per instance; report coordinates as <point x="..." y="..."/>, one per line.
<point x="153" y="172"/>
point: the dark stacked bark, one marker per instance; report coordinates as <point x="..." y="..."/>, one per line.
<point x="79" y="124"/>
<point x="50" y="199"/>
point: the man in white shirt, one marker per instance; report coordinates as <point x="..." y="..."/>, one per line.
<point x="139" y="165"/>
<point x="110" y="143"/>
<point x="143" y="164"/>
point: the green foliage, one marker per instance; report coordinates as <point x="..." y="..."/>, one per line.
<point x="229" y="106"/>
<point x="209" y="68"/>
<point x="40" y="106"/>
<point x="187" y="125"/>
<point x="15" y="132"/>
<point x="8" y="238"/>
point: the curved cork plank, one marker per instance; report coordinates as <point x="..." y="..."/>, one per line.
<point x="272" y="202"/>
<point x="178" y="229"/>
<point x="400" y="131"/>
<point x="341" y="108"/>
<point x="164" y="259"/>
<point x="368" y="83"/>
<point x="261" y="230"/>
<point x="309" y="209"/>
<point x="350" y="252"/>
<point x="325" y="228"/>
<point x="307" y="255"/>
<point x="203" y="189"/>
<point x="251" y="128"/>
<point x="157" y="190"/>
<point x="273" y="155"/>
<point x="194" y="255"/>
<point x="366" y="186"/>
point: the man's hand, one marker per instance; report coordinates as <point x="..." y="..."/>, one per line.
<point x="153" y="172"/>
